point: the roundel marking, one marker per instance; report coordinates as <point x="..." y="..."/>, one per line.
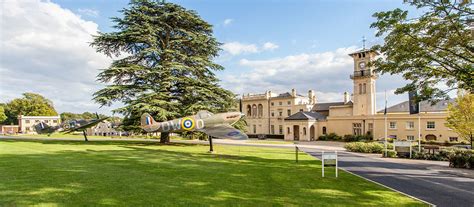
<point x="233" y="133"/>
<point x="188" y="123"/>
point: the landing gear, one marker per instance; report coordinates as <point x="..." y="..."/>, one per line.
<point x="211" y="149"/>
<point x="85" y="135"/>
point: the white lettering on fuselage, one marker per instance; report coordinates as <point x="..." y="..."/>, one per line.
<point x="176" y="125"/>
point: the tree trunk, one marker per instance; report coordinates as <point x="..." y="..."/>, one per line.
<point x="165" y="137"/>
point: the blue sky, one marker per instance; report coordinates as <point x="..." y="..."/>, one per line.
<point x="267" y="45"/>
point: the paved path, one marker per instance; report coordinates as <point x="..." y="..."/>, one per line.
<point x="418" y="179"/>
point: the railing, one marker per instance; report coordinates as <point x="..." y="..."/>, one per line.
<point x="362" y="73"/>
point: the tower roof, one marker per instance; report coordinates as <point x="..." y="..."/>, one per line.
<point x="306" y="115"/>
<point x="364" y="50"/>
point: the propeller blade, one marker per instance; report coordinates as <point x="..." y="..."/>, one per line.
<point x="240" y="105"/>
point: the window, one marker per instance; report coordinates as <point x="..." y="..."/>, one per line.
<point x="46" y="121"/>
<point x="289" y="112"/>
<point x="272" y="129"/>
<point x="260" y="110"/>
<point x="357" y="128"/>
<point x="304" y="131"/>
<point x="37" y="121"/>
<point x="410" y="125"/>
<point x="410" y="137"/>
<point x="273" y="114"/>
<point x="301" y="110"/>
<point x="289" y="102"/>
<point x="324" y="130"/>
<point x="288" y="129"/>
<point x="254" y="129"/>
<point x="280" y="129"/>
<point x="371" y="128"/>
<point x="360" y="88"/>
<point x="364" y="89"/>
<point x="279" y="103"/>
<point x="430" y="125"/>
<point x="453" y="139"/>
<point x="27" y="121"/>
<point x="392" y="125"/>
<point x="249" y="110"/>
<point x="272" y="104"/>
<point x="27" y="128"/>
<point x="254" y="110"/>
<point x="281" y="113"/>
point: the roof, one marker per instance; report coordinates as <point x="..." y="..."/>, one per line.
<point x="363" y="50"/>
<point x="325" y="106"/>
<point x="286" y="95"/>
<point x="425" y="106"/>
<point x="306" y="115"/>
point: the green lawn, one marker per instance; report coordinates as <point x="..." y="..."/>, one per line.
<point x="123" y="173"/>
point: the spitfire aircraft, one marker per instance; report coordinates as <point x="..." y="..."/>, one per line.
<point x="214" y="125"/>
<point x="72" y="126"/>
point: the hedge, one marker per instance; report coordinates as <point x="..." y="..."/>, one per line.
<point x="366" y="147"/>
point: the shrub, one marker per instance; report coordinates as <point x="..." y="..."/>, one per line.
<point x="441" y="156"/>
<point x="390" y="153"/>
<point x="330" y="137"/>
<point x="356" y="138"/>
<point x="365" y="147"/>
<point x="461" y="158"/>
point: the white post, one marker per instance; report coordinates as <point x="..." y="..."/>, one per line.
<point x="336" y="163"/>
<point x="385" y="114"/>
<point x="322" y="158"/>
<point x="419" y="131"/>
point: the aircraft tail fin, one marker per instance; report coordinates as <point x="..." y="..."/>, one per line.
<point x="146" y="121"/>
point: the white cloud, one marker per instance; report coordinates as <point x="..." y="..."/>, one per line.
<point x="88" y="12"/>
<point x="228" y="22"/>
<point x="237" y="48"/>
<point x="327" y="73"/>
<point x="270" y="46"/>
<point x="45" y="49"/>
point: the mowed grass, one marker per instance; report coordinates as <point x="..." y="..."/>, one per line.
<point x="145" y="174"/>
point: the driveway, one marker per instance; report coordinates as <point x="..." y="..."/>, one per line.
<point x="420" y="179"/>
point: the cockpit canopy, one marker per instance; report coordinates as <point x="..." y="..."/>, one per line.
<point x="204" y="114"/>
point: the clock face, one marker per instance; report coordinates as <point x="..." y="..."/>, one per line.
<point x="362" y="65"/>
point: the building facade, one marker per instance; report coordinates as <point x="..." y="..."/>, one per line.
<point x="296" y="117"/>
<point x="27" y="123"/>
<point x="104" y="128"/>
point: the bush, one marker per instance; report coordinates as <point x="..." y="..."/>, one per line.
<point x="356" y="138"/>
<point x="390" y="153"/>
<point x="441" y="156"/>
<point x="330" y="137"/>
<point x="461" y="158"/>
<point x="365" y="147"/>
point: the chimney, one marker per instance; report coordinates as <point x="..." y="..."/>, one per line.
<point x="346" y="97"/>
<point x="311" y="96"/>
<point x="293" y="92"/>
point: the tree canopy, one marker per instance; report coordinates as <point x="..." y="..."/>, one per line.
<point x="168" y="70"/>
<point x="3" y="117"/>
<point x="461" y="117"/>
<point x="67" y="116"/>
<point x="436" y="47"/>
<point x="31" y="104"/>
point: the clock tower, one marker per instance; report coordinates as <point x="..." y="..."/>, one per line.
<point x="364" y="83"/>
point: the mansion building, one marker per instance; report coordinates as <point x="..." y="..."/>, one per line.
<point x="297" y="117"/>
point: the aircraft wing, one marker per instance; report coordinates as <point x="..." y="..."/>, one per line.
<point x="225" y="131"/>
<point x="85" y="126"/>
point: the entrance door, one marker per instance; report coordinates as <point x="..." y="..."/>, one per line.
<point x="311" y="133"/>
<point x="296" y="132"/>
